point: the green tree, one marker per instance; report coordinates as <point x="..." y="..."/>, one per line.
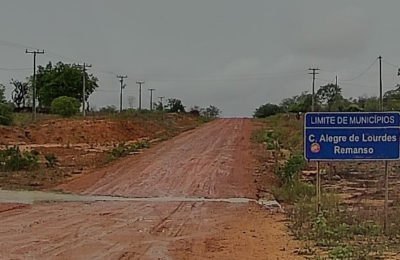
<point x="2" y="93"/>
<point x="6" y="114"/>
<point x="65" y="106"/>
<point x="110" y="109"/>
<point x="354" y="108"/>
<point x="331" y="97"/>
<point x="391" y="99"/>
<point x="175" y="105"/>
<point x="368" y="104"/>
<point x="159" y="106"/>
<point x="62" y="80"/>
<point x="289" y="104"/>
<point x="211" y="111"/>
<point x="298" y="103"/>
<point x="267" y="110"/>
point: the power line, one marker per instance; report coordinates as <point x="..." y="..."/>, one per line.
<point x="390" y="64"/>
<point x="54" y="54"/>
<point x="107" y="72"/>
<point x="14" y="69"/>
<point x="394" y="66"/>
<point x="363" y="72"/>
<point x="354" y="84"/>
<point x="15" y="45"/>
<point x="230" y="78"/>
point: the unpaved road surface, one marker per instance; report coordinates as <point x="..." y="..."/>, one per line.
<point x="213" y="161"/>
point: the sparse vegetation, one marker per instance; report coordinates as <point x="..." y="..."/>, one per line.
<point x="111" y="109"/>
<point x="292" y="168"/>
<point x="12" y="159"/>
<point x="336" y="230"/>
<point x="293" y="191"/>
<point x="340" y="230"/>
<point x="6" y="114"/>
<point x="123" y="149"/>
<point x="82" y="145"/>
<point x="267" y="137"/>
<point x="51" y="160"/>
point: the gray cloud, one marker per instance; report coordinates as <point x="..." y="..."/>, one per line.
<point x="231" y="53"/>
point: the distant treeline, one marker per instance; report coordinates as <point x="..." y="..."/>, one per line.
<point x="329" y="98"/>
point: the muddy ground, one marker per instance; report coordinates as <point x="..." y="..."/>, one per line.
<point x="216" y="160"/>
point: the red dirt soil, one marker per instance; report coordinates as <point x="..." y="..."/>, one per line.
<point x="91" y="130"/>
<point x="214" y="161"/>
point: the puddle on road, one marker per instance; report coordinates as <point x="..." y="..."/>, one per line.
<point x="30" y="197"/>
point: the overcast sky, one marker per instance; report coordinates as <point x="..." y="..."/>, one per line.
<point x="235" y="54"/>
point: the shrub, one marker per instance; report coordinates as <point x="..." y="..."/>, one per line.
<point x="122" y="149"/>
<point x="292" y="168"/>
<point x="175" y="106"/>
<point x="341" y="252"/>
<point x="108" y="110"/>
<point x="51" y="160"/>
<point x="65" y="106"/>
<point x="12" y="159"/>
<point x="293" y="191"/>
<point x="143" y="145"/>
<point x="6" y="115"/>
<point x="267" y="110"/>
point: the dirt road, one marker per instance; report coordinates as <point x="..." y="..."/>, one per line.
<point x="213" y="161"/>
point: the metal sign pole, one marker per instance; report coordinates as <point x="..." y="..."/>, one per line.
<point x="318" y="188"/>
<point x="386" y="207"/>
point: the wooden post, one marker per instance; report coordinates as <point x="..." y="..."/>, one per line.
<point x="318" y="188"/>
<point x="386" y="207"/>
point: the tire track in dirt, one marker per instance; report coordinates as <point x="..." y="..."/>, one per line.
<point x="213" y="161"/>
<point x="160" y="224"/>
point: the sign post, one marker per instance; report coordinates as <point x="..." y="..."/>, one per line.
<point x="386" y="206"/>
<point x="318" y="188"/>
<point x="361" y="136"/>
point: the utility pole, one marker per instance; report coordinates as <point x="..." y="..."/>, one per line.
<point x="35" y="52"/>
<point x="162" y="107"/>
<point x="84" y="67"/>
<point x="386" y="203"/>
<point x="151" y="98"/>
<point x="140" y="83"/>
<point x="121" y="80"/>
<point x="161" y="101"/>
<point x="314" y="72"/>
<point x="336" y="81"/>
<point x="380" y="83"/>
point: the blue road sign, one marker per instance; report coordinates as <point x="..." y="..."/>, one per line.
<point x="352" y="136"/>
